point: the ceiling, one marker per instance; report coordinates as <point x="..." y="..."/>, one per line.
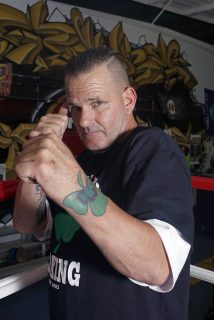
<point x="197" y="9"/>
<point x="194" y="18"/>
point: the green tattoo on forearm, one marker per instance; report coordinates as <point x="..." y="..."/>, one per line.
<point x="87" y="196"/>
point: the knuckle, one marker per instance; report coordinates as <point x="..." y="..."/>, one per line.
<point x="42" y="119"/>
<point x="42" y="168"/>
<point x="64" y="117"/>
<point x="46" y="142"/>
<point x="42" y="153"/>
<point x="57" y="125"/>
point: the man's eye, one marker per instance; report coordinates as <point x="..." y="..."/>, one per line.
<point x="71" y="107"/>
<point x="96" y="104"/>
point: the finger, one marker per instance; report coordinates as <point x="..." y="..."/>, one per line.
<point x="54" y="119"/>
<point x="34" y="133"/>
<point x="40" y="131"/>
<point x="31" y="146"/>
<point x="49" y="125"/>
<point x="63" y="110"/>
<point x="53" y="115"/>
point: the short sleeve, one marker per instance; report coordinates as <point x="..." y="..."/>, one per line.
<point x="177" y="250"/>
<point x="157" y="182"/>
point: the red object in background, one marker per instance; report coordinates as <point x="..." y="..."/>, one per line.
<point x="8" y="188"/>
<point x="202" y="183"/>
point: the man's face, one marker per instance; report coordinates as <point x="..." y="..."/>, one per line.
<point x="98" y="108"/>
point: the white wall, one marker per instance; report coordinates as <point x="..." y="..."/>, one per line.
<point x="199" y="54"/>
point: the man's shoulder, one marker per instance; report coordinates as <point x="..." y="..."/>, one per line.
<point x="150" y="137"/>
<point x="152" y="132"/>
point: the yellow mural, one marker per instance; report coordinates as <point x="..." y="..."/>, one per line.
<point x="12" y="140"/>
<point x="29" y="38"/>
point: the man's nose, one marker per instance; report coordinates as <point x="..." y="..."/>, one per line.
<point x="86" y="118"/>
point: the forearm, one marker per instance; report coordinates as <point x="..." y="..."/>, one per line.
<point x="29" y="210"/>
<point x="133" y="247"/>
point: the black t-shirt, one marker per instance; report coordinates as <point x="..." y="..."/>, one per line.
<point x="146" y="175"/>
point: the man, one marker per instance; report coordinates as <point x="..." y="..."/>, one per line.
<point x="122" y="215"/>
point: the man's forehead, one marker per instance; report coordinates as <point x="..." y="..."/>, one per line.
<point x="79" y="96"/>
<point x="94" y="73"/>
<point x="88" y="89"/>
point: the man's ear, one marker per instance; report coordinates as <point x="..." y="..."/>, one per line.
<point x="129" y="97"/>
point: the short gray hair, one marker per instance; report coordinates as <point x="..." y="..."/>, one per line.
<point x="94" y="57"/>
